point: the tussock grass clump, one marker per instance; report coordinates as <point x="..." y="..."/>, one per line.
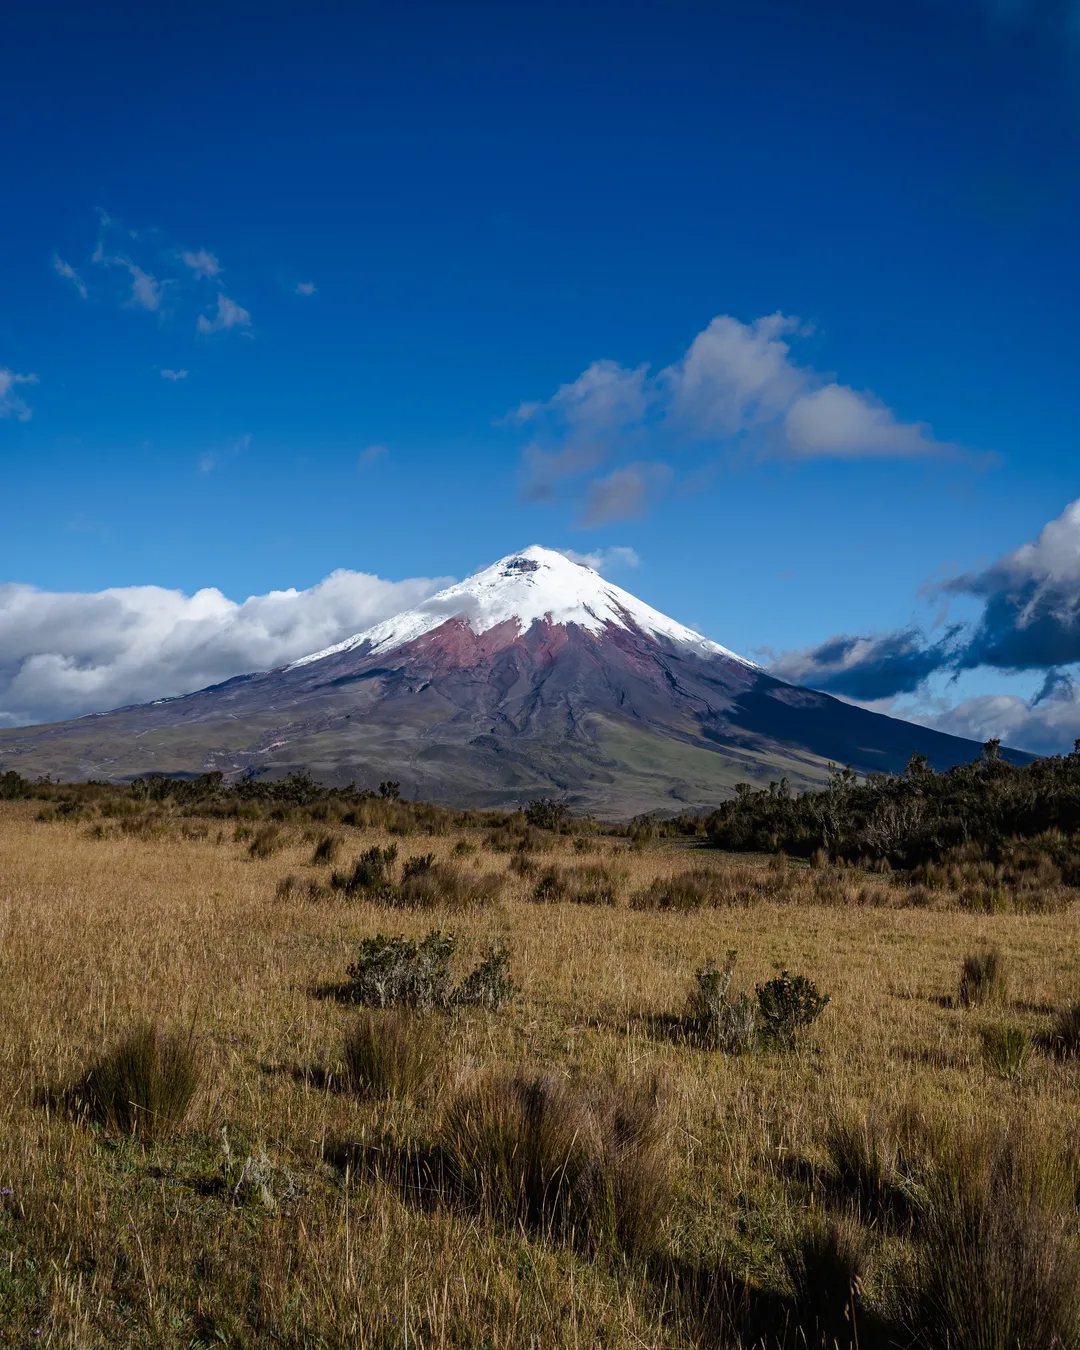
<point x="442" y="885"/>
<point x="144" y="1084"/>
<point x="999" y="1265"/>
<point x="698" y="888"/>
<point x="1006" y="1050"/>
<point x="826" y="1262"/>
<point x="390" y="1053"/>
<point x="984" y="978"/>
<point x="787" y="1005"/>
<point x="873" y="1167"/>
<point x="326" y="850"/>
<point x="1063" y="1038"/>
<point x="268" y="841"/>
<point x="581" y="1164"/>
<point x="590" y="884"/>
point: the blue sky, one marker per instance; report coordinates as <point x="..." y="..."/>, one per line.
<point x="374" y="243"/>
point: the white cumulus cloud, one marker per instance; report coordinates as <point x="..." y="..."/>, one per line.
<point x="604" y="559"/>
<point x="66" y="654"/>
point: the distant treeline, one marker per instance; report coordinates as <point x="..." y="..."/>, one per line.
<point x="1002" y="812"/>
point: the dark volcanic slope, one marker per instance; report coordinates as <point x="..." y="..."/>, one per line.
<point x="618" y="721"/>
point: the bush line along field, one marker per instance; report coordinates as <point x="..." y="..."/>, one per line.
<point x="293" y="1067"/>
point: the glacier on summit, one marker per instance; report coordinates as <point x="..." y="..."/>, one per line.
<point x="536" y="585"/>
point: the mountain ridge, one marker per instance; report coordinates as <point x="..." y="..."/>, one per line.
<point x="535" y="676"/>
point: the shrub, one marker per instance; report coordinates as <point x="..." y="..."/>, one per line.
<point x="145" y="1084"/>
<point x="397" y="971"/>
<point x="983" y="978"/>
<point x="390" y="1053"/>
<point x="326" y="850"/>
<point x="372" y="873"/>
<point x="713" y="1017"/>
<point x="787" y="1005"/>
<point x="400" y="972"/>
<point x="464" y="848"/>
<point x="826" y="1263"/>
<point x="489" y="985"/>
<point x="544" y="814"/>
<point x="574" y="1164"/>
<point x="999" y="1265"/>
<point x="267" y="842"/>
<point x="1006" y="1050"/>
<point x="587" y="885"/>
<point x="1063" y="1038"/>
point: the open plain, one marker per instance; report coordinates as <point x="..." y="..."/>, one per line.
<point x="278" y="1212"/>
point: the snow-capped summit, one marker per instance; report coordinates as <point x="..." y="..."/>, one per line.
<point x="537" y="585"/>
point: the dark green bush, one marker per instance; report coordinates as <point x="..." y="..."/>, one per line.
<point x="544" y="814"/>
<point x="372" y="873"/>
<point x="144" y="1085"/>
<point x="582" y="885"/>
<point x="787" y="1005"/>
<point x="489" y="985"/>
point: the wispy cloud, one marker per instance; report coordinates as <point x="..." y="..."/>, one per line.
<point x="65" y="270"/>
<point x="201" y="262"/>
<point x="371" y="454"/>
<point x="306" y="288"/>
<point x="229" y="315"/>
<point x="624" y="493"/>
<point x="146" y="290"/>
<point x="167" y="374"/>
<point x="11" y="404"/>
<point x="610" y="559"/>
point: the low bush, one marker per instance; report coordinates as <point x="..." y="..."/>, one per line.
<point x="983" y="978"/>
<point x="576" y="1164"/>
<point x="390" y="1053"/>
<point x="826" y="1263"/>
<point x="787" y="1005"/>
<point x="545" y="814"/>
<point x="144" y="1084"/>
<point x="1006" y="1050"/>
<point x="371" y="875"/>
<point x="714" y="1018"/>
<point x="401" y="972"/>
<point x="488" y="985"/>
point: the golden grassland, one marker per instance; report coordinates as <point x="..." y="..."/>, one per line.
<point x="107" y="1241"/>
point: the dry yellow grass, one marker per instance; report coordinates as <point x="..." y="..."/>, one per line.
<point x="105" y="1242"/>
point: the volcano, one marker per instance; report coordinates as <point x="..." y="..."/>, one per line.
<point x="534" y="677"/>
